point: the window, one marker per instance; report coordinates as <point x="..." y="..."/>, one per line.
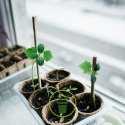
<point x="76" y="30"/>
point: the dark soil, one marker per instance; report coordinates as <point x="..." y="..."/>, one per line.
<point x="9" y="62"/>
<point x="43" y="98"/>
<point x="4" y="54"/>
<point x="14" y="48"/>
<point x="12" y="60"/>
<point x="79" y="90"/>
<point x="23" y="56"/>
<point x="84" y="105"/>
<point x="57" y="75"/>
<point x="29" y="88"/>
<point x="54" y="119"/>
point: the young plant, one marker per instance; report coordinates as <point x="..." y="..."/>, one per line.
<point x="61" y="68"/>
<point x="1" y="54"/>
<point x="71" y="88"/>
<point x="91" y="69"/>
<point x="49" y="91"/>
<point x="62" y="99"/>
<point x="38" y="55"/>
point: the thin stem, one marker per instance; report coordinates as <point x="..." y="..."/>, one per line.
<point x="58" y="74"/>
<point x="32" y="75"/>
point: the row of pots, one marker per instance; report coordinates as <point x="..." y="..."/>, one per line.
<point x="43" y="109"/>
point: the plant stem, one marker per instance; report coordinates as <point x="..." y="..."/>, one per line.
<point x="32" y="75"/>
<point x="92" y="84"/>
<point x="58" y="74"/>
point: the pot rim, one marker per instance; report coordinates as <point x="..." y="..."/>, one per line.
<point x="92" y="113"/>
<point x="24" y="83"/>
<point x="57" y="85"/>
<point x="45" y="76"/>
<point x="67" y="123"/>
<point x="31" y="98"/>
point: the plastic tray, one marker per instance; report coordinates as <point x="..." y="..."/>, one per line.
<point x="85" y="121"/>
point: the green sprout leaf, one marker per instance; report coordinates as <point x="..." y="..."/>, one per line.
<point x="48" y="90"/>
<point x="70" y="87"/>
<point x="86" y="67"/>
<point x="31" y="53"/>
<point x="74" y="88"/>
<point x="95" y="72"/>
<point x="1" y="54"/>
<point x="93" y="78"/>
<point x="40" y="48"/>
<point x="35" y="85"/>
<point x="97" y="67"/>
<point x="59" y="97"/>
<point x="66" y="97"/>
<point x="40" y="61"/>
<point x="47" y="55"/>
<point x="68" y="90"/>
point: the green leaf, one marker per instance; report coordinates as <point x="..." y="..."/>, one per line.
<point x="31" y="53"/>
<point x="47" y="55"/>
<point x="46" y="87"/>
<point x="95" y="72"/>
<point x="97" y="67"/>
<point x="70" y="87"/>
<point x="51" y="92"/>
<point x="74" y="88"/>
<point x="59" y="97"/>
<point x="40" y="48"/>
<point x="34" y="86"/>
<point x="1" y="54"/>
<point x="68" y="90"/>
<point x="66" y="97"/>
<point x="86" y="67"/>
<point x="7" y="50"/>
<point x="93" y="78"/>
<point x="40" y="61"/>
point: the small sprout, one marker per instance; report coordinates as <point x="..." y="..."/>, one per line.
<point x="65" y="97"/>
<point x="1" y="54"/>
<point x="7" y="50"/>
<point x="48" y="90"/>
<point x="35" y="85"/>
<point x="38" y="55"/>
<point x="71" y="88"/>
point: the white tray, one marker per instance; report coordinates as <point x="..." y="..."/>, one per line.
<point x="106" y="107"/>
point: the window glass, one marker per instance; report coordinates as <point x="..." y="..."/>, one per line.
<point x="77" y="30"/>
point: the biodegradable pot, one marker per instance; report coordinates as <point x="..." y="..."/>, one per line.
<point x="46" y="112"/>
<point x="29" y="83"/>
<point x="13" y="63"/>
<point x="72" y="82"/>
<point x="33" y="96"/>
<point x="56" y="75"/>
<point x="87" y="95"/>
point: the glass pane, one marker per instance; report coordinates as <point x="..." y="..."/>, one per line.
<point x="77" y="30"/>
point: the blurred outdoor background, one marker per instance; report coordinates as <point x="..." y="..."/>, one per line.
<point x="76" y="30"/>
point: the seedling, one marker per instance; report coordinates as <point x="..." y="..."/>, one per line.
<point x="49" y="91"/>
<point x="61" y="99"/>
<point x="71" y="88"/>
<point x="91" y="69"/>
<point x="1" y="54"/>
<point x="61" y="68"/>
<point x="38" y="55"/>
